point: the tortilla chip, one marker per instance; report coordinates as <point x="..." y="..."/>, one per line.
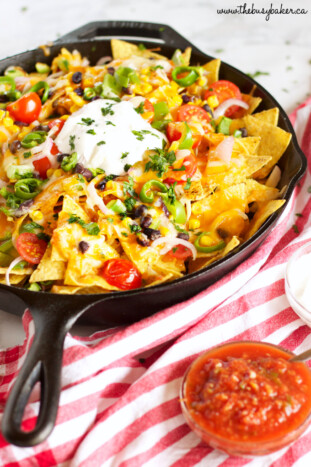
<point x="14" y="279"/>
<point x="186" y="55"/>
<point x="196" y="191"/>
<point x="212" y="68"/>
<point x="253" y="103"/>
<point x="259" y="192"/>
<point x="274" y="142"/>
<point x="233" y="243"/>
<point x="70" y="290"/>
<point x="122" y="49"/>
<point x="262" y="215"/>
<point x="47" y="269"/>
<point x="268" y="116"/>
<point x="163" y="279"/>
<point x="200" y="263"/>
<point x="248" y="145"/>
<point x="82" y="271"/>
<point x="173" y="267"/>
<point x="18" y="272"/>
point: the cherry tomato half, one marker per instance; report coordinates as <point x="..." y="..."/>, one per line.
<point x="30" y="247"/>
<point x="148" y="113"/>
<point x="172" y="132"/>
<point x="180" y="252"/>
<point x="121" y="273"/>
<point x="58" y="123"/>
<point x="180" y="176"/>
<point x="224" y="90"/>
<point x="42" y="165"/>
<point x="189" y="112"/>
<point x="27" y="108"/>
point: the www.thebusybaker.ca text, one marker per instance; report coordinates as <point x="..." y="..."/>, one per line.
<point x="246" y="10"/>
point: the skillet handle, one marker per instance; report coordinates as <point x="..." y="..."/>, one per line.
<point x="43" y="364"/>
<point x="161" y="33"/>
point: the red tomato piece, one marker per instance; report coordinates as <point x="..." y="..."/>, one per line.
<point x="30" y="247"/>
<point x="42" y="165"/>
<point x="180" y="252"/>
<point x="26" y="109"/>
<point x="121" y="273"/>
<point x="189" y="112"/>
<point x="172" y="133"/>
<point x="58" y="123"/>
<point x="224" y="90"/>
<point x="148" y="114"/>
<point x="180" y="176"/>
<point x="54" y="149"/>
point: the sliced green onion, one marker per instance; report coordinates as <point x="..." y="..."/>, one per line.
<point x="69" y="162"/>
<point x="34" y="287"/>
<point x="33" y="139"/>
<point x="116" y="206"/>
<point x="191" y="77"/>
<point x="42" y="68"/>
<point x="177" y="58"/>
<point x="41" y="85"/>
<point x="89" y="93"/>
<point x="224" y="126"/>
<point x="237" y="134"/>
<point x="160" y="110"/>
<point x="13" y="72"/>
<point x="16" y="172"/>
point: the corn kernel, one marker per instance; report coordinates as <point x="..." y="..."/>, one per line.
<point x="64" y="117"/>
<point x="109" y="185"/>
<point x="7" y="122"/>
<point x="58" y="173"/>
<point x="174" y="146"/>
<point x="164" y="231"/>
<point x="206" y="240"/>
<point x="126" y="222"/>
<point x="194" y="224"/>
<point x="14" y="129"/>
<point x="3" y="137"/>
<point x="49" y="172"/>
<point x="2" y="113"/>
<point x="36" y="215"/>
<point x="202" y="81"/>
<point x="213" y="101"/>
<point x="144" y="71"/>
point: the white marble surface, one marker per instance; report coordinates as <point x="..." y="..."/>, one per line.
<point x="280" y="47"/>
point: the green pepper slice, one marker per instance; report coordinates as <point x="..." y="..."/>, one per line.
<point x="41" y="85"/>
<point x="116" y="206"/>
<point x="177" y="209"/>
<point x="208" y="249"/>
<point x="149" y="198"/>
<point x="160" y="110"/>
<point x="27" y="188"/>
<point x="6" y="246"/>
<point x="186" y="140"/>
<point x="189" y="79"/>
<point x="69" y="162"/>
<point x="33" y="139"/>
<point x="224" y="126"/>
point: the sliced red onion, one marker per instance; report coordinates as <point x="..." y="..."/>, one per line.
<point x="12" y="265"/>
<point x="224" y="150"/>
<point x="182" y="153"/>
<point x="274" y="177"/>
<point x="103" y="60"/>
<point x="95" y="199"/>
<point x="171" y="242"/>
<point x="221" y="109"/>
<point x="137" y="100"/>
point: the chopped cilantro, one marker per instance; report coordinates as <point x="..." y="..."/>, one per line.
<point x="129" y="204"/>
<point x="72" y="142"/>
<point x="295" y="228"/>
<point x="91" y="228"/>
<point x="219" y="51"/>
<point x="171" y="193"/>
<point x="124" y="234"/>
<point x="124" y="155"/>
<point x="108" y="122"/>
<point x="140" y="108"/>
<point x="140" y="134"/>
<point x="110" y="219"/>
<point x="100" y="143"/>
<point x="128" y="188"/>
<point x="160" y="161"/>
<point x="141" y="47"/>
<point x="134" y="228"/>
<point x="258" y="73"/>
<point x="288" y="68"/>
<point x="127" y="167"/>
<point x="86" y="121"/>
<point x="107" y="110"/>
<point x="81" y="178"/>
<point x="44" y="237"/>
<point x="181" y="169"/>
<point x="91" y="132"/>
<point x="31" y="227"/>
<point x="157" y="67"/>
<point x="188" y="184"/>
<point x="27" y="154"/>
<point x="179" y="229"/>
<point x="174" y="249"/>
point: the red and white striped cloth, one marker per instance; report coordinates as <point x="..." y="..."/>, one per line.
<point x="120" y="388"/>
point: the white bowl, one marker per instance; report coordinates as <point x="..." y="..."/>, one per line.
<point x="298" y="282"/>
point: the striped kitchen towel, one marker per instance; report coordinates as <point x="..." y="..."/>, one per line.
<point x="119" y="403"/>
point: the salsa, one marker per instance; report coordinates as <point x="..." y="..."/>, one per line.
<point x="247" y="392"/>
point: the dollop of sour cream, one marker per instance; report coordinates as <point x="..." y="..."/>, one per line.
<point x="108" y="135"/>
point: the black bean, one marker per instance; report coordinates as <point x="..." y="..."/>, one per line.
<point x="146" y="221"/>
<point x="79" y="169"/>
<point x="60" y="157"/>
<point x="79" y="91"/>
<point x="102" y="184"/>
<point x="244" y="132"/>
<point x="152" y="234"/>
<point x="183" y="236"/>
<point x="23" y="208"/>
<point x="3" y="98"/>
<point x="186" y="98"/>
<point x="164" y="208"/>
<point x="83" y="246"/>
<point x="18" y="123"/>
<point x="50" y="93"/>
<point x="111" y="70"/>
<point x="15" y="146"/>
<point x="142" y="240"/>
<point x="95" y="98"/>
<point x="45" y="128"/>
<point x="140" y="211"/>
<point x="208" y="109"/>
<point x="127" y="90"/>
<point x="77" y="77"/>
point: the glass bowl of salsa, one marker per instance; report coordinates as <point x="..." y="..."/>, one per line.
<point x="246" y="398"/>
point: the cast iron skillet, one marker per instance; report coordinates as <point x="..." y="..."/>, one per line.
<point x="55" y="314"/>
